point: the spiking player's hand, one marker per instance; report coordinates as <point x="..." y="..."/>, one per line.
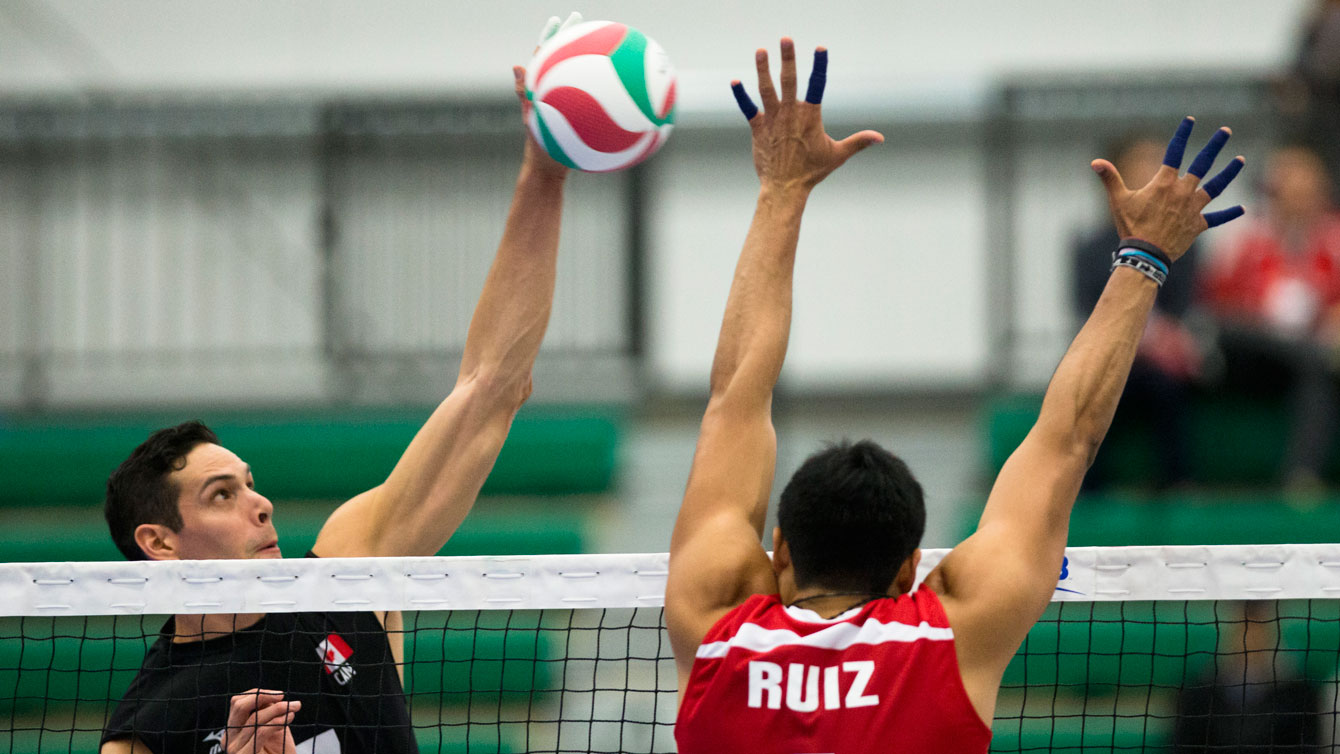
<point x="535" y="156"/>
<point x="258" y="723"/>
<point x="1167" y="211"/>
<point x="791" y="149"/>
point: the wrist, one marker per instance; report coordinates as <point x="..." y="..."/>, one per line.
<point x="532" y="171"/>
<point x="779" y="194"/>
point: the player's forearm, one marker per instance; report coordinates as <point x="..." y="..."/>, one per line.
<point x="513" y="309"/>
<point x="1084" y="391"/>
<point x="757" y="322"/>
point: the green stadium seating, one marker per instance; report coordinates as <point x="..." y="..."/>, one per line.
<point x="1104" y="645"/>
<point x="317" y="454"/>
<point x="493" y="528"/>
<point x="82" y="661"/>
<point x="1233" y="441"/>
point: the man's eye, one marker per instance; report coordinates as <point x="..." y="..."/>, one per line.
<point x="223" y="494"/>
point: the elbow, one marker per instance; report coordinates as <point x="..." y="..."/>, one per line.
<point x="1082" y="448"/>
<point x="1075" y="446"/>
<point x="497" y="392"/>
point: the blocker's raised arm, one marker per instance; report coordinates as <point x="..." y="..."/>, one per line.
<point x="716" y="556"/>
<point x="996" y="584"/>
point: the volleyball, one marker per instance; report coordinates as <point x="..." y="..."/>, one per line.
<point x="603" y="96"/>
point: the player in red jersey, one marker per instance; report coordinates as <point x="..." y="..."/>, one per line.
<point x="825" y="647"/>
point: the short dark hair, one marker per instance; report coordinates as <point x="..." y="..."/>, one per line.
<point x="140" y="490"/>
<point x="851" y="515"/>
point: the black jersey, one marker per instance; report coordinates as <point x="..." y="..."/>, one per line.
<point x="339" y="665"/>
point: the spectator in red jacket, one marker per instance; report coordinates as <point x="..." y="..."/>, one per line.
<point x="1275" y="290"/>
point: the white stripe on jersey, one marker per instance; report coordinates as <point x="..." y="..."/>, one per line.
<point x="755" y="638"/>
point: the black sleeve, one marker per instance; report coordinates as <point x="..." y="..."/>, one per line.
<point x="1191" y="731"/>
<point x="1091" y="263"/>
<point x="1179" y="292"/>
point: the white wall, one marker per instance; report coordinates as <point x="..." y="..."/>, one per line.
<point x="891" y="283"/>
<point x="462" y="45"/>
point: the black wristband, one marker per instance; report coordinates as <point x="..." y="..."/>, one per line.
<point x="1146" y="247"/>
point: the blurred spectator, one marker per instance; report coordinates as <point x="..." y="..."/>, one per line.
<point x="1169" y="358"/>
<point x="1253" y="700"/>
<point x="1317" y="84"/>
<point x="1275" y="289"/>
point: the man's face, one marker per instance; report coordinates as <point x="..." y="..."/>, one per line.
<point x="1296" y="184"/>
<point x="222" y="514"/>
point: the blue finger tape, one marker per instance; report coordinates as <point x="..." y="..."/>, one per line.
<point x="1216" y="185"/>
<point x="1213" y="219"/>
<point x="1205" y="159"/>
<point x="818" y="78"/>
<point x="1177" y="147"/>
<point x="747" y="105"/>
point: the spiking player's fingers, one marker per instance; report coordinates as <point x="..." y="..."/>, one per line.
<point x="788" y="70"/>
<point x="818" y="77"/>
<point x="549" y="29"/>
<point x="1205" y="158"/>
<point x="244" y="704"/>
<point x="1177" y="147"/>
<point x="271" y="714"/>
<point x="519" y="86"/>
<point x="1213" y="219"/>
<point x="747" y="105"/>
<point x="766" y="93"/>
<point x="1216" y="185"/>
<point x="858" y="141"/>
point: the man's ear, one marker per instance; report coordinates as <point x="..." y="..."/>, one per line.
<point x="157" y="542"/>
<point x="907" y="574"/>
<point x="781" y="552"/>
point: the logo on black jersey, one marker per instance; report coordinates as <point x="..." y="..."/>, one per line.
<point x="335" y="654"/>
<point x="217" y="738"/>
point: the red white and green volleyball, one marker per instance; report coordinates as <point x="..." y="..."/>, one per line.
<point x="602" y="95"/>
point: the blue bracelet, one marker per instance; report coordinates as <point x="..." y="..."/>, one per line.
<point x="1146" y="256"/>
<point x="1148" y="248"/>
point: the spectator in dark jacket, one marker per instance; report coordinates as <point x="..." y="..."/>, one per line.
<point x="1169" y="358"/>
<point x="1253" y="700"/>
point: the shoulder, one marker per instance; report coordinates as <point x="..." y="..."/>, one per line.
<point x="752" y="610"/>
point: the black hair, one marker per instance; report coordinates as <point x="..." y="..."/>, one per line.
<point x="140" y="490"/>
<point x="851" y="515"/>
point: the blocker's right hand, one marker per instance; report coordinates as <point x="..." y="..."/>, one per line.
<point x="258" y="721"/>
<point x="791" y="149"/>
<point x="1167" y="211"/>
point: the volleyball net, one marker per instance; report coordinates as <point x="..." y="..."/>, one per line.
<point x="1144" y="649"/>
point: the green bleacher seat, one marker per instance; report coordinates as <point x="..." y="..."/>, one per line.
<point x="1233" y="440"/>
<point x="316" y="454"/>
<point x="80" y="662"/>
<point x="1103" y="645"/>
<point x="493" y="528"/>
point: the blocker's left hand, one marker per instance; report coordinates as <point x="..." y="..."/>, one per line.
<point x="791" y="148"/>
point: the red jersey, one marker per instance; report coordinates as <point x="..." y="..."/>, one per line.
<point x="1256" y="277"/>
<point x="774" y="679"/>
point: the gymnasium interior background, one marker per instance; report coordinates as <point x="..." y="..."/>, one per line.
<point x="277" y="217"/>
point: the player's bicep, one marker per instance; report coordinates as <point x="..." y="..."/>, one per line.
<point x="733" y="466"/>
<point x="1000" y="579"/>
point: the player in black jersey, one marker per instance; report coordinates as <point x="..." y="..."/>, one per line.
<point x="326" y="683"/>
